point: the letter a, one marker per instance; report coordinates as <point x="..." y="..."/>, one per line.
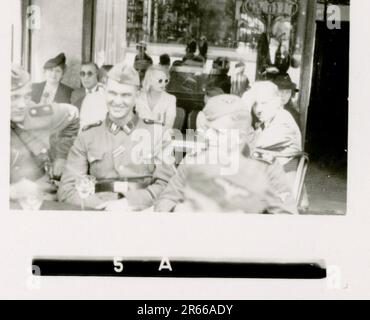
<point x="334" y="17"/>
<point x="165" y="264"/>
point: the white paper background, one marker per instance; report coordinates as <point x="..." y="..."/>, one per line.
<point x="341" y="241"/>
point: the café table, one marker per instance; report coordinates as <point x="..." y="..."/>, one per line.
<point x="50" y="206"/>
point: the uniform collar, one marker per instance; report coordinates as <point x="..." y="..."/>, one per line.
<point x="127" y="128"/>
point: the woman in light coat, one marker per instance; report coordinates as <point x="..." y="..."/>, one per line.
<point x="154" y="103"/>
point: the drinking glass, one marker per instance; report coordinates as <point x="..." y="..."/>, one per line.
<point x="31" y="202"/>
<point x="85" y="186"/>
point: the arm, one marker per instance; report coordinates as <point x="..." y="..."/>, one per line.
<point x="77" y="165"/>
<point x="143" y="199"/>
<point x="172" y="195"/>
<point x="284" y="137"/>
<point x="67" y="127"/>
<point x="171" y="112"/>
<point x="163" y="172"/>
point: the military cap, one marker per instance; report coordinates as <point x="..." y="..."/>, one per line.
<point x="245" y="191"/>
<point x="223" y="105"/>
<point x="213" y="91"/>
<point x="20" y="78"/>
<point x="55" y="62"/>
<point x="124" y="74"/>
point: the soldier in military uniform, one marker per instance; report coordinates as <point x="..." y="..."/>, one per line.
<point x="261" y="176"/>
<point x="127" y="169"/>
<point x="250" y="190"/>
<point x="33" y="159"/>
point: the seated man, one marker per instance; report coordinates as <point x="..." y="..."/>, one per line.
<point x="34" y="161"/>
<point x="89" y="81"/>
<point x="288" y="90"/>
<point x="120" y="152"/>
<point x="276" y="132"/>
<point x="229" y="127"/>
<point x="219" y="75"/>
<point x="90" y="99"/>
<point x="247" y="191"/>
<point x="142" y="60"/>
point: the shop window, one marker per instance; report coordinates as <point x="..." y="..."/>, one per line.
<point x="176" y="21"/>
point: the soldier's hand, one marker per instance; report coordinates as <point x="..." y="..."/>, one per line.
<point x="117" y="205"/>
<point x="58" y="167"/>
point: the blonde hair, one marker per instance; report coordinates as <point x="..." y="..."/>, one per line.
<point x="149" y="76"/>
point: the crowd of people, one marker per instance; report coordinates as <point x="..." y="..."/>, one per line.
<point x="60" y="135"/>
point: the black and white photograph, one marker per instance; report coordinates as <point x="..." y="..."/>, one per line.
<point x="176" y="106"/>
<point x="176" y="149"/>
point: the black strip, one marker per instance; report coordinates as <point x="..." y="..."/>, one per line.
<point x="180" y="269"/>
<point x="88" y="30"/>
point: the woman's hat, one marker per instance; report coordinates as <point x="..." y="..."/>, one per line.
<point x="59" y="60"/>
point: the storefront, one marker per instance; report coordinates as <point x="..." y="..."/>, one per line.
<point x="231" y="28"/>
<point x="107" y="31"/>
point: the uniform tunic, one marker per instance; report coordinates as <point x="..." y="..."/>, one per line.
<point x="46" y="135"/>
<point x="110" y="152"/>
<point x="265" y="181"/>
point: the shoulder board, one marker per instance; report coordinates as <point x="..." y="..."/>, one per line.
<point x="151" y="122"/>
<point x="264" y="157"/>
<point x="94" y="125"/>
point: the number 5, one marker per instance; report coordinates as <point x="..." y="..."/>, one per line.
<point x="118" y="265"/>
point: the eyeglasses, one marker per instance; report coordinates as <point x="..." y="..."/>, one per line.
<point x="166" y="81"/>
<point x="89" y="74"/>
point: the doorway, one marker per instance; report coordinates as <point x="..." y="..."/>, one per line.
<point x="327" y="124"/>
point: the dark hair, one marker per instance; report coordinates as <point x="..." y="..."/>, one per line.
<point x="191" y="47"/>
<point x="213" y="91"/>
<point x="103" y="71"/>
<point x="222" y="63"/>
<point x="107" y="67"/>
<point x="165" y="60"/>
<point x="90" y="63"/>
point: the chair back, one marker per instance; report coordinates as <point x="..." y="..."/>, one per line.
<point x="298" y="164"/>
<point x="192" y="120"/>
<point x="180" y="119"/>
